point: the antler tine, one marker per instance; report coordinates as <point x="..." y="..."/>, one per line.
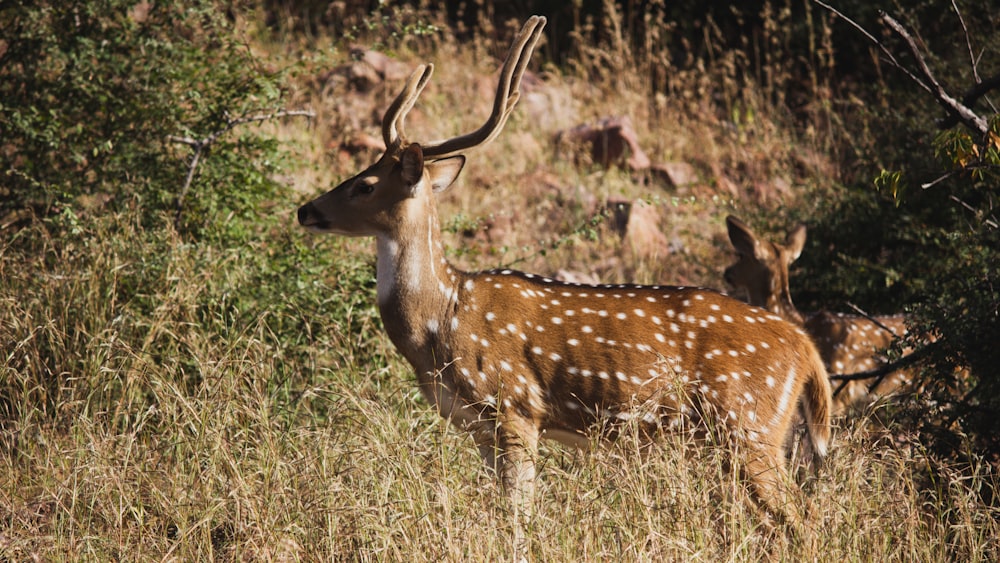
<point x="392" y="121"/>
<point x="506" y="96"/>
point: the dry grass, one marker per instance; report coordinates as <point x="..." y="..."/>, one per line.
<point x="357" y="467"/>
<point x="188" y="425"/>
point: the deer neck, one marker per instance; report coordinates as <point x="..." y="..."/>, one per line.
<point x="416" y="285"/>
<point x="782" y="306"/>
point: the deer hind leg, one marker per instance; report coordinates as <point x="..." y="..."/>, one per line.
<point x="509" y="449"/>
<point x="769" y="484"/>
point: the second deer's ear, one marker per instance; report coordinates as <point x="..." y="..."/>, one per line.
<point x="742" y="237"/>
<point x="412" y="161"/>
<point x="796" y="242"/>
<point x="444" y="172"/>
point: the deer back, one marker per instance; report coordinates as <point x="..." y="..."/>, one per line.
<point x="568" y="356"/>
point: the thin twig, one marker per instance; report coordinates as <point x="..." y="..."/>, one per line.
<point x="874" y="320"/>
<point x="200" y="145"/>
<point x="968" y="42"/>
<point x="933" y="183"/>
<point x="885" y="369"/>
<point x="878" y="374"/>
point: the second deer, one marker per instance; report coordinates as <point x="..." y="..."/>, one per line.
<point x="513" y="357"/>
<point x="848" y="343"/>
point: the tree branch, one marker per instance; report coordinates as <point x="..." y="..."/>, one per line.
<point x="970" y="97"/>
<point x="958" y="112"/>
<point x="954" y="108"/>
<point x="968" y="43"/>
<point x="200" y="145"/>
<point x="881" y="372"/>
<point x="885" y="51"/>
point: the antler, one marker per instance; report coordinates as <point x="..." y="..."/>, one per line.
<point x="504" y="102"/>
<point x="392" y="121"/>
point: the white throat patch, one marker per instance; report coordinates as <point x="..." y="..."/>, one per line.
<point x="385" y="269"/>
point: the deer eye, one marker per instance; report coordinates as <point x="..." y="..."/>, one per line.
<point x="365" y="186"/>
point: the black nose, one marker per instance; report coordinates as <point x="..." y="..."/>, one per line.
<point x="304" y="213"/>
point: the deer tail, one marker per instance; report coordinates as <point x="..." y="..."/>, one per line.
<point x="817" y="406"/>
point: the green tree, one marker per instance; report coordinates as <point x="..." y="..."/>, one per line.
<point x="91" y="92"/>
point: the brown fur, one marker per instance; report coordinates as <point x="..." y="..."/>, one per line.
<point x="847" y="343"/>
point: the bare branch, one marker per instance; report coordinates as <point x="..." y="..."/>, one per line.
<point x="183" y="140"/>
<point x="965" y="115"/>
<point x="200" y="145"/>
<point x="932" y="183"/>
<point x="874" y="320"/>
<point x="958" y="112"/>
<point x="970" y="97"/>
<point x="881" y="371"/>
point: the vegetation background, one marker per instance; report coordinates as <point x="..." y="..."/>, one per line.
<point x="189" y="376"/>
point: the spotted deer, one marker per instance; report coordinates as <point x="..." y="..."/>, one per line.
<point x="848" y="343"/>
<point x="513" y="357"/>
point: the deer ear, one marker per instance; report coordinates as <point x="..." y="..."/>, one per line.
<point x="444" y="172"/>
<point x="795" y="242"/>
<point x="742" y="238"/>
<point x="412" y="161"/>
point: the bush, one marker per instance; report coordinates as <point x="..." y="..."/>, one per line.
<point x="923" y="236"/>
<point x="100" y="280"/>
<point x="92" y="90"/>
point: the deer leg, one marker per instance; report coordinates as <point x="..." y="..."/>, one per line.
<point x="510" y="451"/>
<point x="767" y="474"/>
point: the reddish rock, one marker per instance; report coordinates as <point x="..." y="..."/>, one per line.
<point x="638" y="223"/>
<point x="570" y="276"/>
<point x="674" y="174"/>
<point x="611" y="141"/>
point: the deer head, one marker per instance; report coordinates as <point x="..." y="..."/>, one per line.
<point x="365" y="204"/>
<point x="762" y="268"/>
<point x="512" y="356"/>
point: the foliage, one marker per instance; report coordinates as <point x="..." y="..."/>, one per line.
<point x="925" y="235"/>
<point x="91" y="90"/>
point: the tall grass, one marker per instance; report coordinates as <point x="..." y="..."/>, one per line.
<point x="237" y="453"/>
<point x="148" y="417"/>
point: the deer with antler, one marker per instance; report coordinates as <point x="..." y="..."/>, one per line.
<point x="513" y="357"/>
<point x="848" y="343"/>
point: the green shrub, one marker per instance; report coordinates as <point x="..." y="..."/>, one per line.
<point x="923" y="237"/>
<point x="103" y="278"/>
<point x="91" y="92"/>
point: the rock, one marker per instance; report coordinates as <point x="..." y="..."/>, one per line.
<point x="674" y="174"/>
<point x="612" y="141"/>
<point x="638" y="223"/>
